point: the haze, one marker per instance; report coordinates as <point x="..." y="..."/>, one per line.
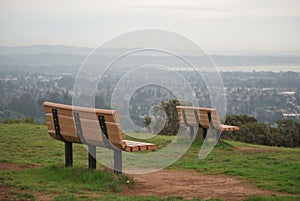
<point x="256" y="27"/>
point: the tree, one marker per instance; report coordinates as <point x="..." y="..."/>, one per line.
<point x="238" y="120"/>
<point x="172" y="124"/>
<point x="147" y="122"/>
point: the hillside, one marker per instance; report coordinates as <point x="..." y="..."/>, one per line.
<point x="32" y="168"/>
<point x="51" y="58"/>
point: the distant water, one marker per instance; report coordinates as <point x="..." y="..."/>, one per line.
<point x="272" y="68"/>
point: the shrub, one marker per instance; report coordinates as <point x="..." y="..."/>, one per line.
<point x="286" y="133"/>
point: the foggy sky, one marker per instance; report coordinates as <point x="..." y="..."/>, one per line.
<point x="219" y="27"/>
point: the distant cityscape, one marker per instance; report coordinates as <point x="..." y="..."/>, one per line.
<point x="267" y="96"/>
<point x="265" y="87"/>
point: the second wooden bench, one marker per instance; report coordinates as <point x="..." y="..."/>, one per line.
<point x="203" y="118"/>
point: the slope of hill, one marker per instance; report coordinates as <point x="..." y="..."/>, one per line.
<point x="32" y="168"/>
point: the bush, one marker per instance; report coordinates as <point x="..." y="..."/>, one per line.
<point x="285" y="134"/>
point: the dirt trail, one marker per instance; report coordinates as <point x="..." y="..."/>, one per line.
<point x="256" y="149"/>
<point x="190" y="184"/>
<point x="8" y="166"/>
<point x="177" y="183"/>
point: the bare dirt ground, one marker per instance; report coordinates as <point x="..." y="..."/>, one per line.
<point x="255" y="149"/>
<point x="10" y="193"/>
<point x="8" y="166"/>
<point x="177" y="183"/>
<point x="191" y="184"/>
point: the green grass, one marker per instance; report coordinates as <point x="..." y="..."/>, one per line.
<point x="272" y="198"/>
<point x="276" y="169"/>
<point x="58" y="179"/>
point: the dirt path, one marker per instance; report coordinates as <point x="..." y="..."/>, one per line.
<point x="190" y="184"/>
<point x="183" y="183"/>
<point x="8" y="166"/>
<point x="255" y="149"/>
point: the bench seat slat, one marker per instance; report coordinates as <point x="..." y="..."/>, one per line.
<point x="229" y="128"/>
<point x="134" y="146"/>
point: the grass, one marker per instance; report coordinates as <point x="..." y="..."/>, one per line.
<point x="58" y="179"/>
<point x="272" y="198"/>
<point x="276" y="169"/>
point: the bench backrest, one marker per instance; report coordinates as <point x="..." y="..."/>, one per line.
<point x="84" y="125"/>
<point x="195" y="116"/>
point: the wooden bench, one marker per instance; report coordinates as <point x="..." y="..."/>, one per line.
<point x="93" y="127"/>
<point x="201" y="117"/>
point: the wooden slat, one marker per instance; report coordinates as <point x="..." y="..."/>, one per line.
<point x="93" y="142"/>
<point x="71" y="131"/>
<point x="133" y="146"/>
<point x="229" y="128"/>
<point x="86" y="113"/>
<point x="203" y="117"/>
<point x="216" y="122"/>
<point x="152" y="147"/>
<point x="85" y="123"/>
<point x="190" y="123"/>
<point x="87" y="132"/>
<point x="66" y="137"/>
<point x="189" y="112"/>
<point x="80" y="109"/>
<point x="193" y="123"/>
<point x="196" y="108"/>
<point x="61" y="119"/>
<point x="52" y="134"/>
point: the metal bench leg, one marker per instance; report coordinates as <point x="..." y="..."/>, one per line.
<point x="68" y="154"/>
<point x="117" y="161"/>
<point x="191" y="133"/>
<point x="204" y="133"/>
<point x="92" y="157"/>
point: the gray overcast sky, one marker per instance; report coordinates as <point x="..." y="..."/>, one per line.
<point x="219" y="27"/>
